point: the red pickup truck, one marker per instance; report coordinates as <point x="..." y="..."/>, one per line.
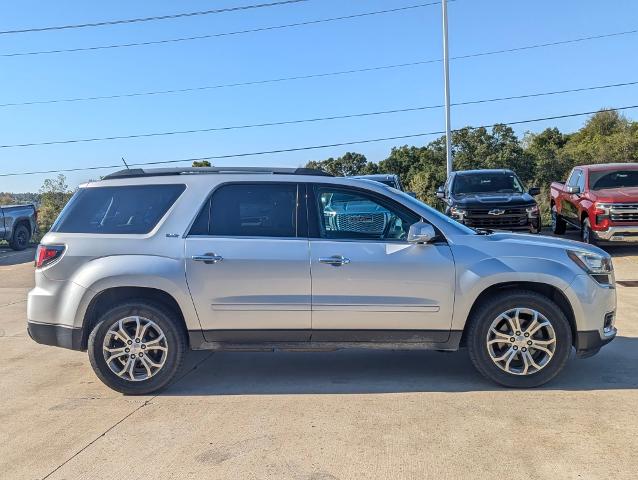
<point x="600" y="200"/>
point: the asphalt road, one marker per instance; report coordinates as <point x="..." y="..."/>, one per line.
<point x="314" y="416"/>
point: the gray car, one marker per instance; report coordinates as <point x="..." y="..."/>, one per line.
<point x="146" y="264"/>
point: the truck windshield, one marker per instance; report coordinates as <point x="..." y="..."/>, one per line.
<point x="487" y="183"/>
<point x="615" y="179"/>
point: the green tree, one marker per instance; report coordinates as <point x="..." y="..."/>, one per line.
<point x="349" y="164"/>
<point x="202" y="163"/>
<point x="54" y="195"/>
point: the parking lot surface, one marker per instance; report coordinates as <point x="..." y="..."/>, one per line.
<point x="315" y="416"/>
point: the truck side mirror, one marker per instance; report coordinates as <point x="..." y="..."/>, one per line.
<point x="533" y="191"/>
<point x="440" y="192"/>
<point x="573" y="189"/>
<point x="421" y="232"/>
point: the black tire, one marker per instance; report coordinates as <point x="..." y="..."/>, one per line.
<point x="21" y="238"/>
<point x="558" y="224"/>
<point x="479" y="326"/>
<point x="176" y="344"/>
<point x="586" y="233"/>
<point x="536" y="227"/>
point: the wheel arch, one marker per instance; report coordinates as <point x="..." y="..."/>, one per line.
<point x="549" y="291"/>
<point x="106" y="299"/>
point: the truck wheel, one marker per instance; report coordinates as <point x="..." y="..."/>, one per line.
<point x="520" y="339"/>
<point x="558" y="224"/>
<point x="21" y="238"/>
<point x="137" y="348"/>
<point x="536" y="227"/>
<point x="586" y="233"/>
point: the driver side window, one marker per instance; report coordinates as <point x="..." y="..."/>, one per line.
<point x="351" y="215"/>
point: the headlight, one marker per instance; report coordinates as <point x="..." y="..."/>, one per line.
<point x="457" y="212"/>
<point x="592" y="263"/>
<point x="532" y="211"/>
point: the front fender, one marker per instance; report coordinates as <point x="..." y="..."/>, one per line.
<point x="478" y="277"/>
<point x="161" y="273"/>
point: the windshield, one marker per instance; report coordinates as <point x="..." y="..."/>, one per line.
<point x="615" y="179"/>
<point x="410" y="200"/>
<point x="487" y="183"/>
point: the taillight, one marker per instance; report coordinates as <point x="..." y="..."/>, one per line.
<point x="46" y="254"/>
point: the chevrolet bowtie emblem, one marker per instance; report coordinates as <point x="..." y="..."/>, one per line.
<point x="496" y="211"/>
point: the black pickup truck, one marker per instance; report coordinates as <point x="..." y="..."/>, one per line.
<point x="491" y="199"/>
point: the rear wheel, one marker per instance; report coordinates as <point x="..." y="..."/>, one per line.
<point x="137" y="348"/>
<point x="558" y="224"/>
<point x="521" y="339"/>
<point x="21" y="237"/>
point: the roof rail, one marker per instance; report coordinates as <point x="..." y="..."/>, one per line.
<point x="156" y="172"/>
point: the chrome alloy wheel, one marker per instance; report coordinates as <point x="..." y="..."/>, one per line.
<point x="135" y="348"/>
<point x="521" y="341"/>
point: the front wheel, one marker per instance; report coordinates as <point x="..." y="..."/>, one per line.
<point x="137" y="348"/>
<point x="520" y="339"/>
<point x="586" y="233"/>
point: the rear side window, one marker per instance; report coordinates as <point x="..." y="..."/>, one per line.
<point x="131" y="209"/>
<point x="250" y="210"/>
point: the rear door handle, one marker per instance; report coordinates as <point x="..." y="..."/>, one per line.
<point x="335" y="260"/>
<point x="207" y="258"/>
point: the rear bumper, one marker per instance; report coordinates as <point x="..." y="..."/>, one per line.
<point x="590" y="342"/>
<point x="618" y="233"/>
<point x="56" y="335"/>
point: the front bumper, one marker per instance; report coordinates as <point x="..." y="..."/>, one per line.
<point x="589" y="343"/>
<point x="56" y="335"/>
<point x="618" y="233"/>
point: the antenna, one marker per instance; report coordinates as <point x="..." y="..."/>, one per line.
<point x="125" y="164"/>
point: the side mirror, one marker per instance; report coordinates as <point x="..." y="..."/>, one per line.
<point x="412" y="194"/>
<point x="533" y="191"/>
<point x="421" y="232"/>
<point x="574" y="189"/>
<point x="440" y="192"/>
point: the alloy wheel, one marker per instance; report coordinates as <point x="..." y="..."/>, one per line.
<point x="135" y="348"/>
<point x="521" y="341"/>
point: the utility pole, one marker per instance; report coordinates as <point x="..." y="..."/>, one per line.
<point x="446" y="69"/>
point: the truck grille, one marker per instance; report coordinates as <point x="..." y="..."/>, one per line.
<point x="624" y="212"/>
<point x="511" y="218"/>
<point x="361" y="222"/>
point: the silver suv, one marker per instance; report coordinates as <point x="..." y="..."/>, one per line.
<point x="146" y="264"/>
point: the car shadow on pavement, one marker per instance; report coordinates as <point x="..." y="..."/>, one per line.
<point x="375" y="371"/>
<point x="10" y="257"/>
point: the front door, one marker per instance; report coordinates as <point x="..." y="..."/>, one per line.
<point x="248" y="265"/>
<point x="368" y="283"/>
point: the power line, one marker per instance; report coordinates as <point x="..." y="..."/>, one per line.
<point x="306" y="77"/>
<point x="313" y="147"/>
<point x="151" y="19"/>
<point x="223" y="34"/>
<point x="313" y="119"/>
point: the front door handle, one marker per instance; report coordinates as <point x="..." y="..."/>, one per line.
<point x="335" y="260"/>
<point x="207" y="258"/>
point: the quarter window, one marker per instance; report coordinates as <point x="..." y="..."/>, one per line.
<point x="250" y="210"/>
<point x="351" y="215"/>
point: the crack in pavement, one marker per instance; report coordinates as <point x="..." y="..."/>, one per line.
<point x="12" y="303"/>
<point x="128" y="415"/>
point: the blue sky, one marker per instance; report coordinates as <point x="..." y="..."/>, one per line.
<point x="412" y="35"/>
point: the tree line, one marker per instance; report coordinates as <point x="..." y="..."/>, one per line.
<point x="538" y="158"/>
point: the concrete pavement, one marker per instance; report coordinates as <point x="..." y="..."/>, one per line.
<point x="319" y="416"/>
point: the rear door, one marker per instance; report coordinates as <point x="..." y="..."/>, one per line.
<point x="368" y="283"/>
<point x="248" y="265"/>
